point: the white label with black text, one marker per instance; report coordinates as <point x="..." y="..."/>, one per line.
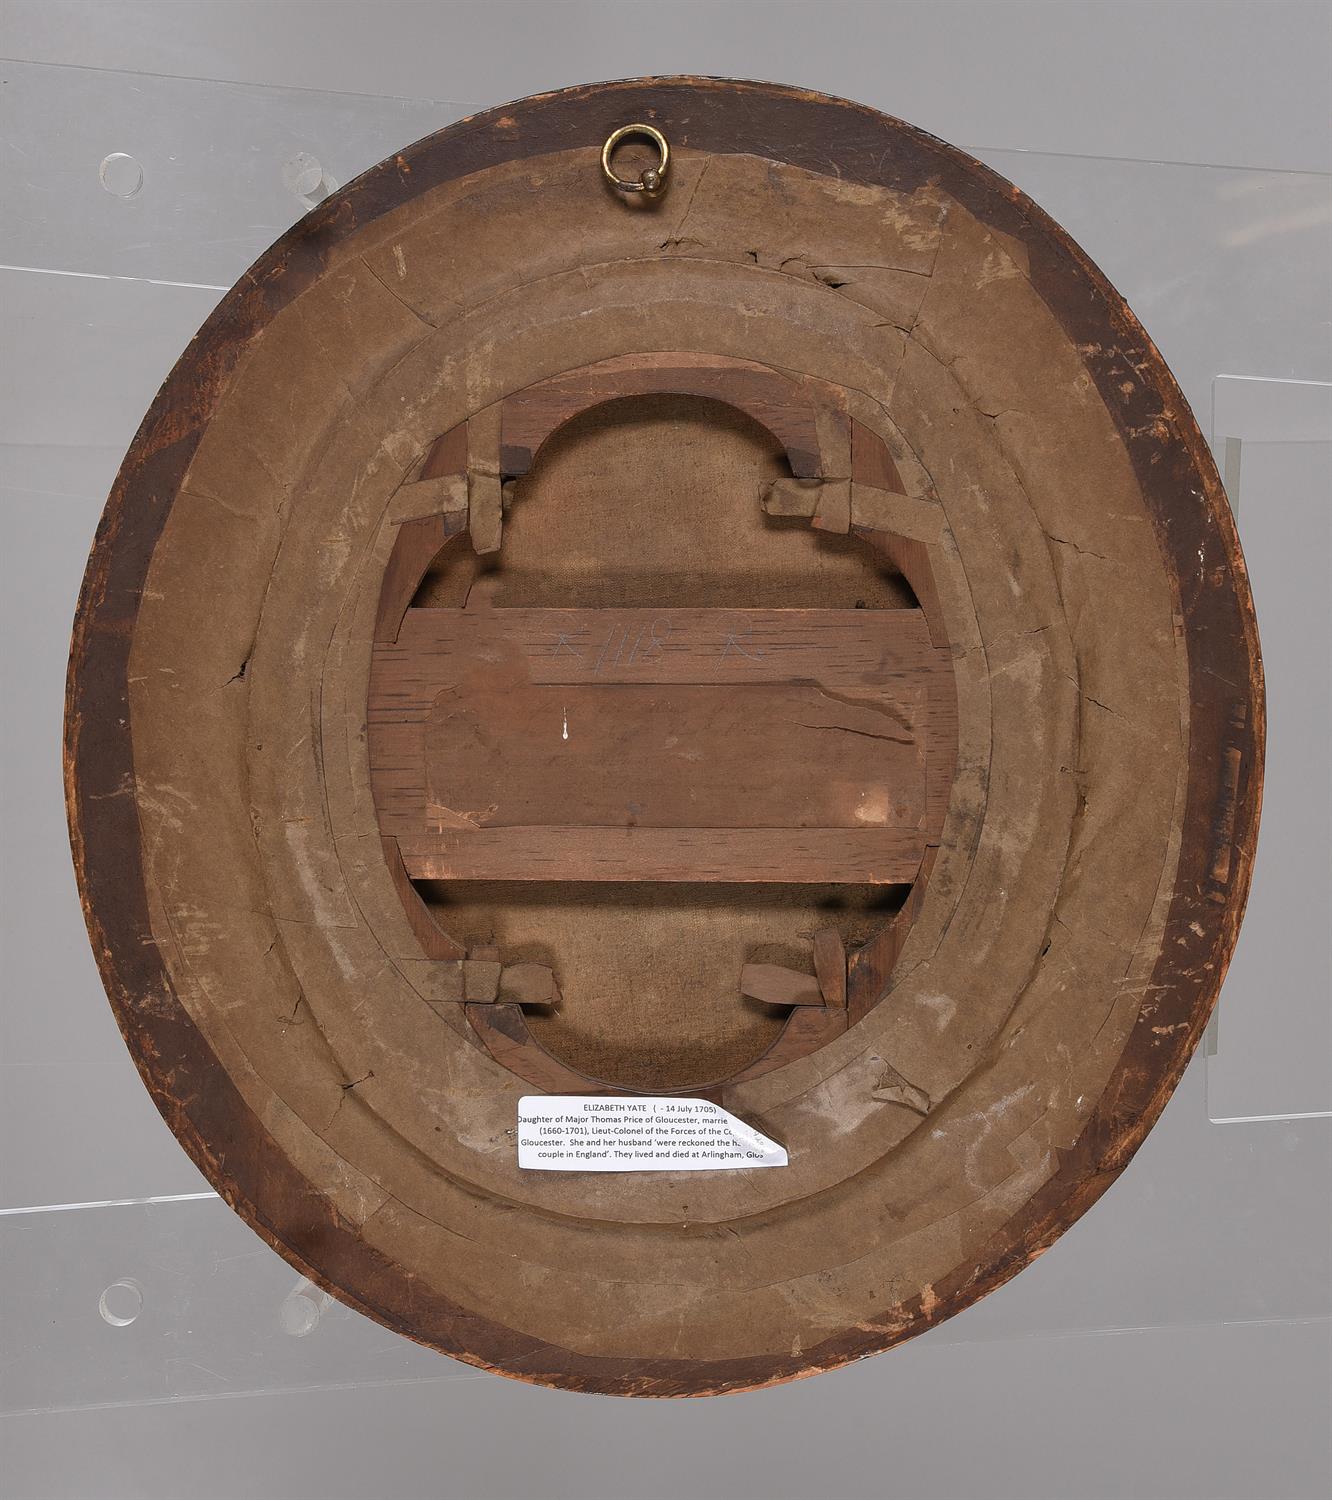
<point x="579" y="1133"/>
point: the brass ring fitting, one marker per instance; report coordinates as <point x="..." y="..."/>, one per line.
<point x="653" y="180"/>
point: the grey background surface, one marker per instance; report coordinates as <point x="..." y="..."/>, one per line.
<point x="1176" y="1341"/>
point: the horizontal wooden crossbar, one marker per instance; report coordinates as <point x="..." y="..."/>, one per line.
<point x="796" y="856"/>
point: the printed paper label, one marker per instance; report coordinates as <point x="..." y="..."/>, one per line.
<point x="580" y="1133"/>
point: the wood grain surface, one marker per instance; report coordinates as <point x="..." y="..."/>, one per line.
<point x="662" y="725"/>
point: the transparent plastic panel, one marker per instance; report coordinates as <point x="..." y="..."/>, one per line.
<point x="108" y="1299"/>
<point x="1269" y="1050"/>
<point x="172" y="179"/>
<point x="124" y="1303"/>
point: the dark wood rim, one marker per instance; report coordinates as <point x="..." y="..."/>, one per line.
<point x="1196" y="534"/>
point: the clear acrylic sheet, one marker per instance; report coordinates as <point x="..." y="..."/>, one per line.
<point x="133" y="203"/>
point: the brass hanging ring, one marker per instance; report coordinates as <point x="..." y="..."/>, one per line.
<point x="653" y="180"/>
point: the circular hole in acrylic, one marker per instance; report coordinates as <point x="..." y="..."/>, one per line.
<point x="302" y="1308"/>
<point x="303" y="175"/>
<point x="298" y="1316"/>
<point x="121" y="1302"/>
<point x="121" y="174"/>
